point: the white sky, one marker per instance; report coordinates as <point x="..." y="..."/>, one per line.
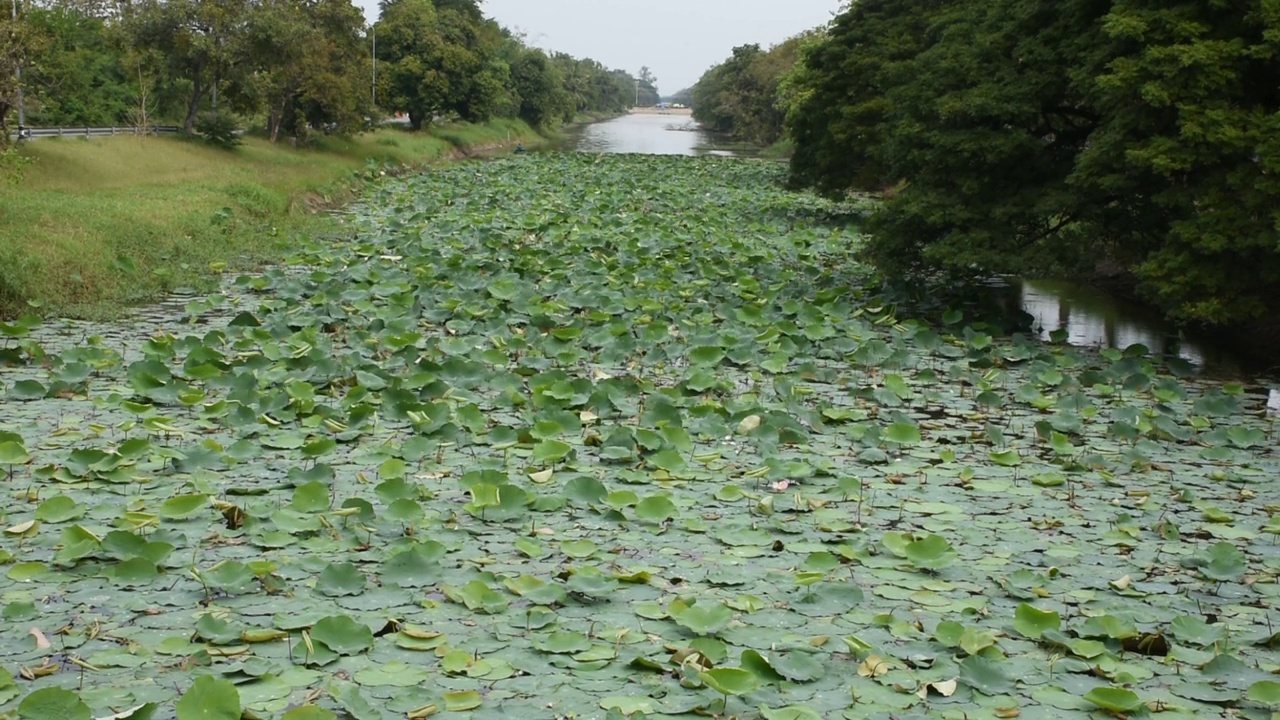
<point x="677" y="39"/>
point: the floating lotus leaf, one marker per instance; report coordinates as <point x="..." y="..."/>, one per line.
<point x="342" y="635"/>
<point x="1116" y="700"/>
<point x="704" y="620"/>
<point x="654" y="413"/>
<point x="730" y="681"/>
<point x="209" y="698"/>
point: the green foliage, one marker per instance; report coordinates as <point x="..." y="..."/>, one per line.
<point x="302" y="68"/>
<point x="646" y="88"/>
<point x="308" y="62"/>
<point x="593" y="88"/>
<point x="439" y="60"/>
<point x="76" y="77"/>
<point x="744" y="96"/>
<point x="210" y="698"/>
<point x="540" y="89"/>
<point x="13" y="165"/>
<point x="1028" y="137"/>
<point x="193" y="46"/>
<point x="499" y="361"/>
<point x="220" y="129"/>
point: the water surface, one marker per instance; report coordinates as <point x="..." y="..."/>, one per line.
<point x="1090" y="317"/>
<point x="647" y="135"/>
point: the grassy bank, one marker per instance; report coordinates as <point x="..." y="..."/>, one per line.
<point x="781" y="150"/>
<point x="96" y="225"/>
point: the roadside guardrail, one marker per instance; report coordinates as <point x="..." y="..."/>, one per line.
<point x="33" y="133"/>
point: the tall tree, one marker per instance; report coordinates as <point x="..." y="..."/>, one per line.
<point x="1186" y="153"/>
<point x="78" y="77"/>
<point x="646" y="88"/>
<point x="840" y="124"/>
<point x="15" y="42"/>
<point x="1078" y="136"/>
<point x="438" y="60"/>
<point x="540" y="88"/>
<point x="408" y="37"/>
<point x="308" y="59"/>
<point x="197" y="40"/>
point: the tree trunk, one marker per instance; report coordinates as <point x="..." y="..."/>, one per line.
<point x="193" y="106"/>
<point x="415" y="120"/>
<point x="4" y="124"/>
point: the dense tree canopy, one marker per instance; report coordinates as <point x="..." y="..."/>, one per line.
<point x="78" y="79"/>
<point x="307" y="60"/>
<point x="1026" y="136"/>
<point x="543" y="98"/>
<point x="592" y="87"/>
<point x="295" y="66"/>
<point x="745" y="96"/>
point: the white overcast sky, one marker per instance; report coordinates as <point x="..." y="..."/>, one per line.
<point x="677" y="39"/>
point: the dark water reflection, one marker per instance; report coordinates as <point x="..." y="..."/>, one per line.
<point x="1092" y="318"/>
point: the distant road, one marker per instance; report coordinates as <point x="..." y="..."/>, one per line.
<point x="661" y="111"/>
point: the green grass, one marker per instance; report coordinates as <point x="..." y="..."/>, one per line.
<point x="497" y="132"/>
<point x="98" y="225"/>
<point x="781" y="150"/>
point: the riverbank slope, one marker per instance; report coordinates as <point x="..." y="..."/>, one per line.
<point x="96" y="225"/>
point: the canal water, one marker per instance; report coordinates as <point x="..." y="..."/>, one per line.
<point x="1079" y="315"/>
<point x="1089" y="317"/>
<point x="648" y="135"/>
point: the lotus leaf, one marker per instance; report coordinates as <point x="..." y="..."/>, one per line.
<point x="573" y="429"/>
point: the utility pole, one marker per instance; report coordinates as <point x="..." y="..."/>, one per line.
<point x="637" y="92"/>
<point x="17" y="74"/>
<point x="373" y="92"/>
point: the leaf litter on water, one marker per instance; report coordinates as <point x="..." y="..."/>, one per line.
<point x="575" y="435"/>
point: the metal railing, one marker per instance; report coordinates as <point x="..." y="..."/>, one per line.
<point x="89" y="132"/>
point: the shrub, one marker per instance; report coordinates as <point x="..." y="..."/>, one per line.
<point x="218" y="128"/>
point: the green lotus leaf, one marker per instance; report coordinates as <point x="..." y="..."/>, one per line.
<point x="985" y="675"/>
<point x="1033" y="622"/>
<point x="342" y="635"/>
<point x="53" y="703"/>
<point x="1114" y="699"/>
<point x="730" y="681"/>
<point x="903" y="433"/>
<point x="462" y="700"/>
<point x="656" y="509"/>
<point x="209" y="698"/>
<point x="181" y="507"/>
<point x="338" y="579"/>
<point x="931" y="552"/>
<point x="704" y="620"/>
<point x="1266" y="692"/>
<point x="59" y="508"/>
